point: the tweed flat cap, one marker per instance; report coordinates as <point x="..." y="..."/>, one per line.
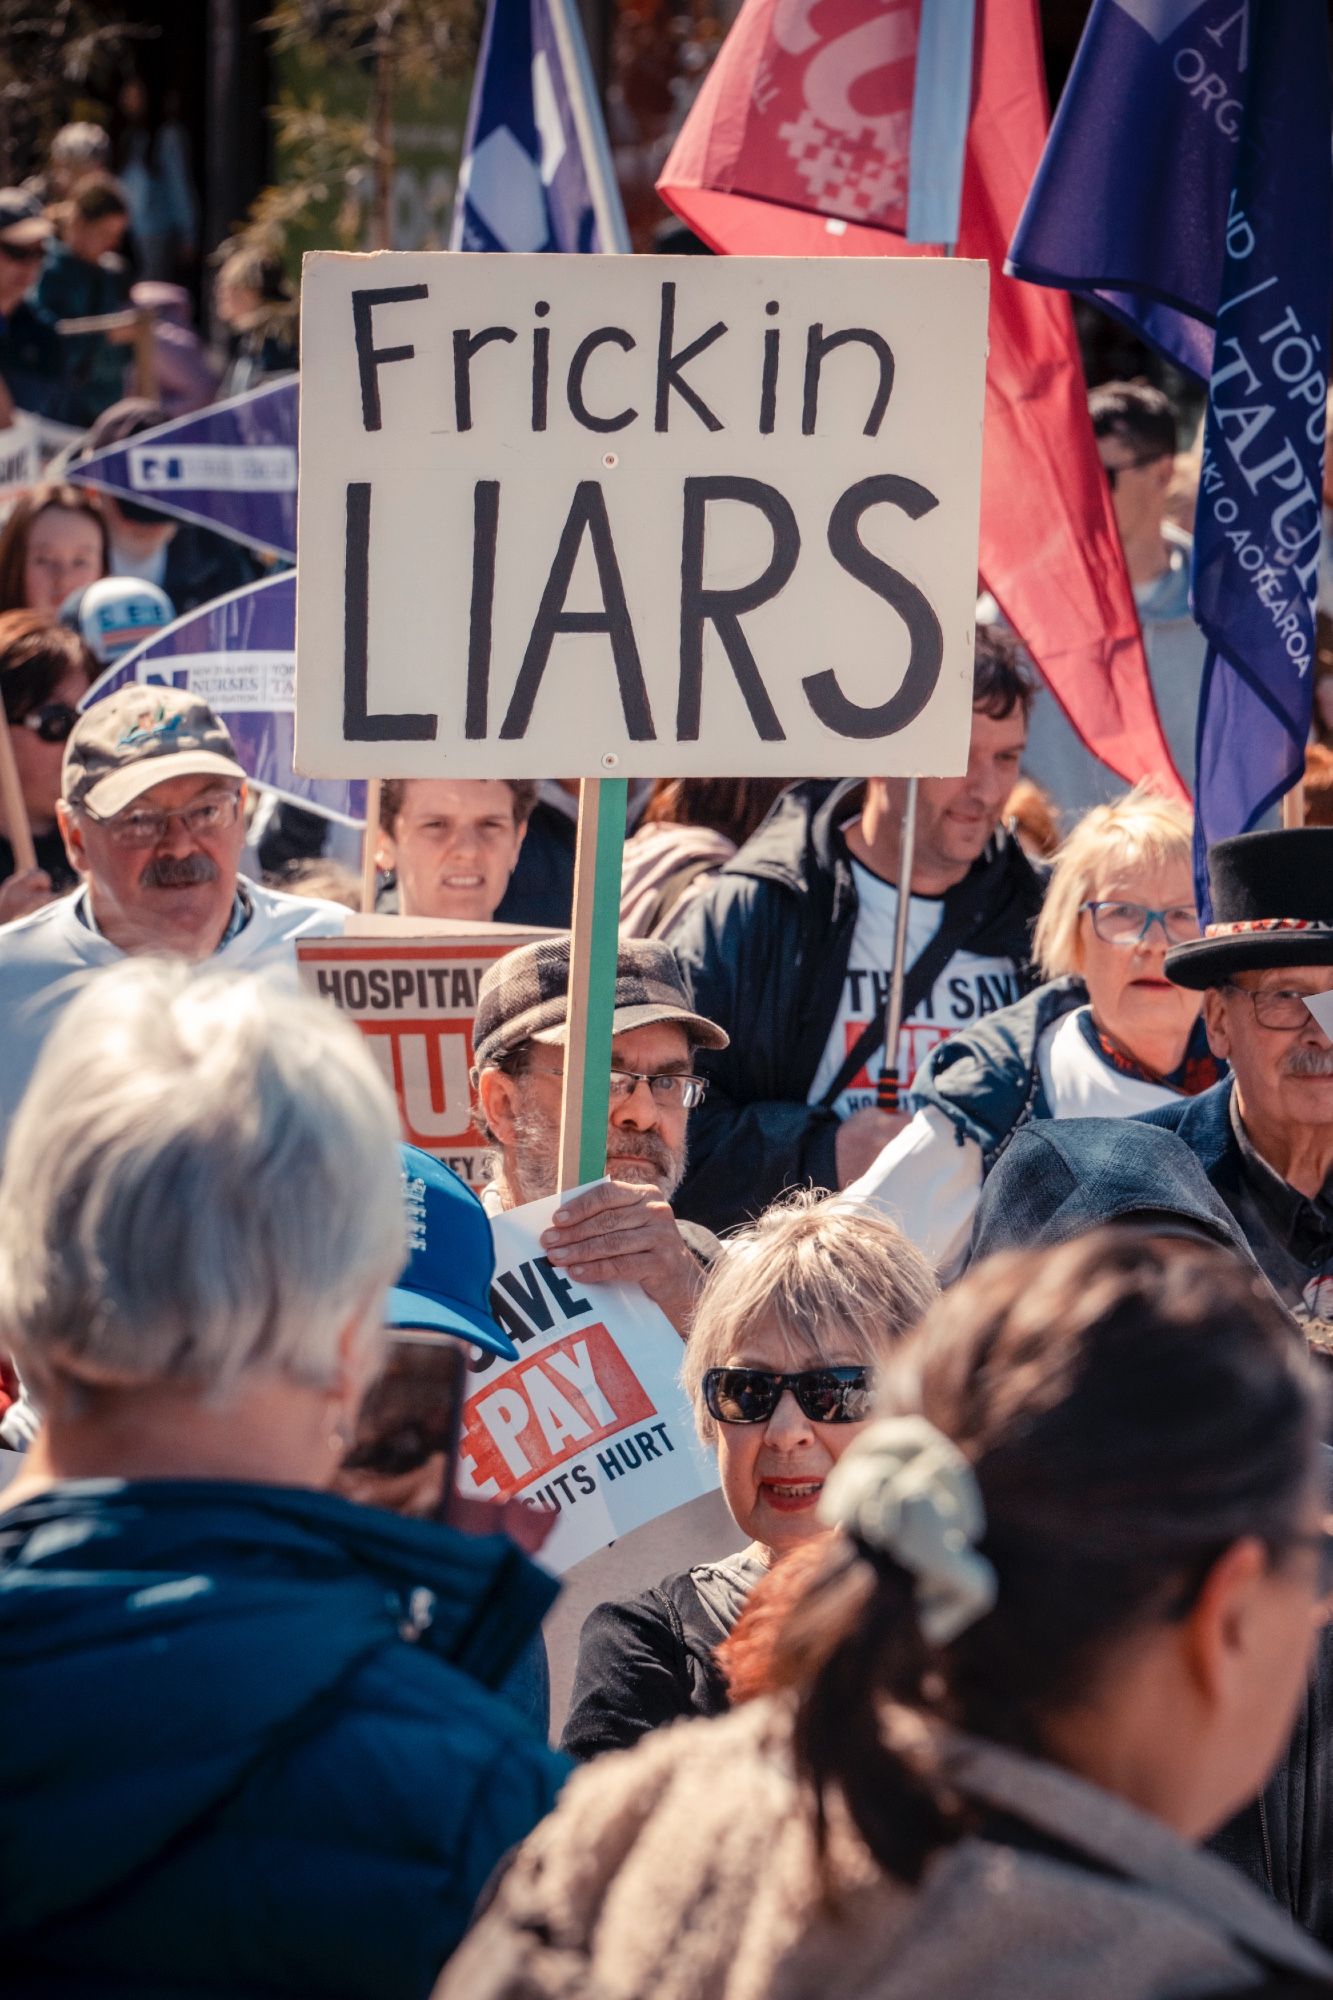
<point x="525" y="997"/>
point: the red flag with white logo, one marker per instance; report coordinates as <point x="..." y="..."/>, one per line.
<point x="798" y="145"/>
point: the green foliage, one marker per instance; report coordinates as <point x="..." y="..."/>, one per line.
<point x="52" y="53"/>
<point x="337" y="164"/>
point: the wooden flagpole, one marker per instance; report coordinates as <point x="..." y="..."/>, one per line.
<point x="369" y="842"/>
<point x="11" y="797"/>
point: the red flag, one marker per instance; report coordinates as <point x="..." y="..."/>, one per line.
<point x="798" y="146"/>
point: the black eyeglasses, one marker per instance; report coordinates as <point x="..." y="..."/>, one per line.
<point x="22" y="253"/>
<point x="824" y="1395"/>
<point x="52" y="722"/>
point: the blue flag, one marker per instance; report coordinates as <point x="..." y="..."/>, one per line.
<point x="1128" y="207"/>
<point x="1187" y="186"/>
<point x="239" y="655"/>
<point x="1257" y="532"/>
<point x="231" y="467"/>
<point x="525" y="183"/>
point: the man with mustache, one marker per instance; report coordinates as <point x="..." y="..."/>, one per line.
<point x="153" y="823"/>
<point x="623" y="1228"/>
<point x="1265" y="1136"/>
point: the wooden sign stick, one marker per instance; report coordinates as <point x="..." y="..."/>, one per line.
<point x="370" y="841"/>
<point x="593" y="948"/>
<point x="11" y="798"/>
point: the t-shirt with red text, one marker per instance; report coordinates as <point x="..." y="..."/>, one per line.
<point x="970" y="985"/>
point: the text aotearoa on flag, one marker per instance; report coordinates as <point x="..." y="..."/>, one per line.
<point x="1188" y="184"/>
<point x="798" y="144"/>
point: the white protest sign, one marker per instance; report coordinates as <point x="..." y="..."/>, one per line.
<point x="591" y="1420"/>
<point x="637" y="516"/>
<point x="410" y="984"/>
<point x="1321" y="1006"/>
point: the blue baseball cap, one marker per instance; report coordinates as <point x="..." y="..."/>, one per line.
<point x="451" y="1258"/>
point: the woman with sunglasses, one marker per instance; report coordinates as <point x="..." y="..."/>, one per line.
<point x="795" y="1318"/>
<point x="1108" y="1035"/>
<point x="1058" y="1640"/>
<point x="44" y="672"/>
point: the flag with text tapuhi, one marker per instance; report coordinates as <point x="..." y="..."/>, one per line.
<point x="231" y="467"/>
<point x="1188" y="185"/>
<point x="799" y="144"/>
<point x="239" y="655"/>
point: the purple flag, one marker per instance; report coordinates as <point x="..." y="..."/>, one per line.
<point x="231" y="467"/>
<point x="239" y="655"/>
<point x="1186" y="185"/>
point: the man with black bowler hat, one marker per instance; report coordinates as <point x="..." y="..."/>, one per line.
<point x="1265" y="1135"/>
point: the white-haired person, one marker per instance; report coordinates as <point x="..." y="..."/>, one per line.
<point x="252" y="1742"/>
<point x="795" y="1319"/>
<point x="1059" y="1639"/>
<point x="1107" y="1036"/>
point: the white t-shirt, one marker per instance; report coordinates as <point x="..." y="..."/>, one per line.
<point x="46" y="958"/>
<point x="968" y="987"/>
<point x="928" y="1181"/>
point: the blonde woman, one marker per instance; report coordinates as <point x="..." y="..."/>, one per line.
<point x="796" y="1317"/>
<point x="1107" y="1036"/>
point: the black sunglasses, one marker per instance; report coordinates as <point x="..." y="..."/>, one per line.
<point x="52" y="722"/>
<point x="824" y="1395"/>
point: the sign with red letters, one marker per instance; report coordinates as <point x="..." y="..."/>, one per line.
<point x="591" y="1420"/>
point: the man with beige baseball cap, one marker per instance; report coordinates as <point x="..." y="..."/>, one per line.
<point x="151" y="816"/>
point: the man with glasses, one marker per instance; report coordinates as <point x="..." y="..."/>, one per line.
<point x="1265" y="1136"/>
<point x="31" y="358"/>
<point x="623" y="1228"/>
<point x="152" y="819"/>
<point x="1136" y="432"/>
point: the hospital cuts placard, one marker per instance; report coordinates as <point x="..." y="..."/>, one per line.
<point x="591" y="1420"/>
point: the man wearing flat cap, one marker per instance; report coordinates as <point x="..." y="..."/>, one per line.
<point x="624" y="1228"/>
<point x="1264" y="1137"/>
<point x="152" y="817"/>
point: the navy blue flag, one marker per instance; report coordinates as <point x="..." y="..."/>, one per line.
<point x="239" y="655"/>
<point x="1128" y="207"/>
<point x="1257" y="530"/>
<point x="524" y="183"/>
<point x="1187" y="186"/>
<point x="231" y="467"/>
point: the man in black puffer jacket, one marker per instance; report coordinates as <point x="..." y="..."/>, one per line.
<point x="791" y="948"/>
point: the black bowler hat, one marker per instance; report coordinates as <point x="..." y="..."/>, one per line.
<point x="1272" y="905"/>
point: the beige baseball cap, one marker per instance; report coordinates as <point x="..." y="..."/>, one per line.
<point x="139" y="737"/>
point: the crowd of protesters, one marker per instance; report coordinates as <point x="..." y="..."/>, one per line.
<point x="999" y="1670"/>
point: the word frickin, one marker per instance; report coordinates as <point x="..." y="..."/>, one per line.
<point x="701" y="606"/>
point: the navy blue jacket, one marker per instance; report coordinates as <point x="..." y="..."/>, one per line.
<point x="251" y="1742"/>
<point x="1204" y="1123"/>
<point x="986" y="1080"/>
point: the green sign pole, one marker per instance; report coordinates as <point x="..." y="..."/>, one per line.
<point x="594" y="942"/>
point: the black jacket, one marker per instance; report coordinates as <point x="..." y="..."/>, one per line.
<point x="202" y="566"/>
<point x="764" y="950"/>
<point x="648" y="1660"/>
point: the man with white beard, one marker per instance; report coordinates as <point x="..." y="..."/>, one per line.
<point x="622" y="1229"/>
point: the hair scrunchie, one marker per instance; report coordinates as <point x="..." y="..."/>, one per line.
<point x="905" y="1490"/>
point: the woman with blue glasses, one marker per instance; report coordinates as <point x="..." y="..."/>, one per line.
<point x="1107" y="1036"/>
<point x="795" y="1318"/>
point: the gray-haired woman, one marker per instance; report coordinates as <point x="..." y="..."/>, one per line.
<point x="794" y="1321"/>
<point x="251" y="1743"/>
